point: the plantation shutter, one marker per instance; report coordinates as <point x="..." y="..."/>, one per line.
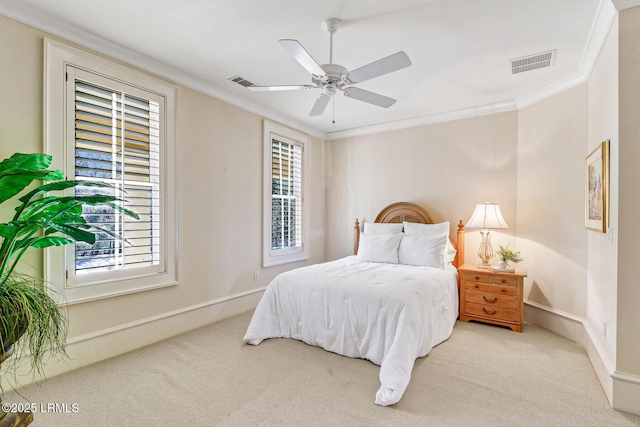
<point x="286" y="196"/>
<point x="117" y="141"/>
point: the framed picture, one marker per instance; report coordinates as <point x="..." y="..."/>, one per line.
<point x="596" y="177"/>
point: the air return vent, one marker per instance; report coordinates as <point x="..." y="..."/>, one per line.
<point x="241" y="81"/>
<point x="533" y="62"/>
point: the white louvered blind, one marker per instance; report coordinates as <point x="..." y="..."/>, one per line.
<point x="286" y="196"/>
<point x="117" y="141"/>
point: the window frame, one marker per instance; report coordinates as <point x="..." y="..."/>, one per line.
<point x="61" y="62"/>
<point x="269" y="257"/>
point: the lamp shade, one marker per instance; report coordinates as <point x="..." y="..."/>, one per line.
<point x="486" y="216"/>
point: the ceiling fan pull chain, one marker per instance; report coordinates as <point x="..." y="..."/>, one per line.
<point x="333" y="118"/>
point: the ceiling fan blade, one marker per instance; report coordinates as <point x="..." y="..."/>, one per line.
<point x="370" y="97"/>
<point x="279" y="87"/>
<point x="391" y="63"/>
<point x="299" y="53"/>
<point x="320" y="105"/>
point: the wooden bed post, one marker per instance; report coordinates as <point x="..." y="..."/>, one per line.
<point x="356" y="236"/>
<point x="460" y="245"/>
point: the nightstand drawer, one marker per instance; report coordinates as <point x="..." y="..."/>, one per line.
<point x="490" y="278"/>
<point x="486" y="298"/>
<point x="504" y="290"/>
<point x="492" y="312"/>
<point x="487" y="287"/>
<point x="475" y="286"/>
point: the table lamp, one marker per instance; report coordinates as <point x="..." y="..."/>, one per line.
<point x="487" y="216"/>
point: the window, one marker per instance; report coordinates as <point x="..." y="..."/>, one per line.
<point x="285" y="223"/>
<point x="110" y="124"/>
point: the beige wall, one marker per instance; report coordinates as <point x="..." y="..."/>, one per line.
<point x="21" y="85"/>
<point x="628" y="333"/>
<point x="446" y="167"/>
<point x="602" y="252"/>
<point x="220" y="210"/>
<point x="552" y="140"/>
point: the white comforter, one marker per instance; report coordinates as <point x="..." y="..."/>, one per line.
<point x="389" y="314"/>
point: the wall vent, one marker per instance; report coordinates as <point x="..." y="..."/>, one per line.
<point x="533" y="62"/>
<point x="241" y="81"/>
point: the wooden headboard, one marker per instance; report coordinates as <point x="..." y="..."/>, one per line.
<point x="410" y="212"/>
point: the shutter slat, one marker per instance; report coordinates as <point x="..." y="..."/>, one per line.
<point x="100" y="115"/>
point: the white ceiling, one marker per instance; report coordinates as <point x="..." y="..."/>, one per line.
<point x="460" y="49"/>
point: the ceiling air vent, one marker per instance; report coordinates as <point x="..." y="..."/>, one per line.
<point x="533" y="62"/>
<point x="241" y="81"/>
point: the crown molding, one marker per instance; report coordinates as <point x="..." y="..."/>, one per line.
<point x="625" y="4"/>
<point x="32" y="17"/>
<point x="448" y="116"/>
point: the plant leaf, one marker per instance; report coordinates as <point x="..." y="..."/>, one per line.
<point x="13" y="181"/>
<point x="48" y="208"/>
<point x="33" y="161"/>
<point x="46" y="241"/>
<point x="8" y="231"/>
<point x="19" y="170"/>
<point x="76" y="233"/>
<point x="62" y="185"/>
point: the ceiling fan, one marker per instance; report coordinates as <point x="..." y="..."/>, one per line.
<point x="333" y="77"/>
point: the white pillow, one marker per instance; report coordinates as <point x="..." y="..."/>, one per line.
<point x="433" y="230"/>
<point x="449" y="252"/>
<point x="379" y="248"/>
<point x="380" y="228"/>
<point x="422" y="250"/>
<point x="430" y="230"/>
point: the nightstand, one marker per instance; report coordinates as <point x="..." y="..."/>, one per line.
<point x="492" y="297"/>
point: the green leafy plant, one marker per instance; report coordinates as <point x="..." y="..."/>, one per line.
<point x="30" y="316"/>
<point x="507" y="255"/>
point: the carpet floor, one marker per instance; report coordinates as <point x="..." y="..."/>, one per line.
<point x="481" y="376"/>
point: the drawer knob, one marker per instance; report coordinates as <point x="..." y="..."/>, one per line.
<point x="489" y="300"/>
<point x="489" y="312"/>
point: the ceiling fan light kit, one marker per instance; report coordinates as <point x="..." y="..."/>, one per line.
<point x="334" y="77"/>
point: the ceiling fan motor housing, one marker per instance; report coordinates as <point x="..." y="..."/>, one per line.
<point x="335" y="75"/>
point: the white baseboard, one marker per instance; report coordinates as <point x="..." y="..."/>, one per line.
<point x="564" y="324"/>
<point x="100" y="345"/>
<point x="601" y="364"/>
<point x="621" y="389"/>
<point x="626" y="392"/>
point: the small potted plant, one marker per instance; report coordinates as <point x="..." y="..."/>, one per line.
<point x="31" y="321"/>
<point x="506" y="255"/>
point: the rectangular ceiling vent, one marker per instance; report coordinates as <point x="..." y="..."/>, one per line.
<point x="533" y="62"/>
<point x="241" y="81"/>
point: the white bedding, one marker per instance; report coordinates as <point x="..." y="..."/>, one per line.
<point x="389" y="314"/>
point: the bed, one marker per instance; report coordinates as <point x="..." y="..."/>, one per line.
<point x="368" y="306"/>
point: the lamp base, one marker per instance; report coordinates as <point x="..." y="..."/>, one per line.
<point x="485" y="251"/>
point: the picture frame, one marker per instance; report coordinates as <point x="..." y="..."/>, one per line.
<point x="596" y="179"/>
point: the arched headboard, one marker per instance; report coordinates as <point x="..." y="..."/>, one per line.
<point x="404" y="211"/>
<point x="410" y="212"/>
